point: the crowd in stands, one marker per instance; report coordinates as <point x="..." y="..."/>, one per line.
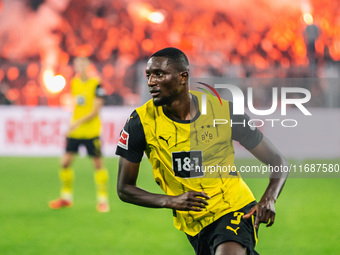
<point x="118" y="37"/>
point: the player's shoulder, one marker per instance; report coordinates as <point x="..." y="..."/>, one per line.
<point x="196" y="93"/>
<point x="94" y="81"/>
<point x="212" y="102"/>
<point x="95" y="78"/>
<point x="133" y="126"/>
<point x="133" y="120"/>
<point x="75" y="80"/>
<point x="134" y="115"/>
<point x="213" y="98"/>
<point x="147" y="110"/>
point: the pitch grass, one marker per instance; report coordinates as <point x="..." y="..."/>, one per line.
<point x="307" y="220"/>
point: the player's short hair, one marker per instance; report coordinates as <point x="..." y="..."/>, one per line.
<point x="175" y="57"/>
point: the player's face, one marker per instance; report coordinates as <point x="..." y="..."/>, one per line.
<point x="80" y="65"/>
<point x="164" y="81"/>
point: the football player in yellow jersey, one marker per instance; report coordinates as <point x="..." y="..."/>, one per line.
<point x="216" y="210"/>
<point x="84" y="130"/>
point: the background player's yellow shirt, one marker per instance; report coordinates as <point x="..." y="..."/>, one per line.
<point x="84" y="93"/>
<point x="181" y="153"/>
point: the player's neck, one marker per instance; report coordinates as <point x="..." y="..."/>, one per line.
<point x="83" y="77"/>
<point x="183" y="109"/>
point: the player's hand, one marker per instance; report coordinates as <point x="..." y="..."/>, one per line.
<point x="74" y="126"/>
<point x="265" y="213"/>
<point x="189" y="201"/>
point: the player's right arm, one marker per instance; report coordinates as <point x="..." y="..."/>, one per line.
<point x="130" y="148"/>
<point x="130" y="193"/>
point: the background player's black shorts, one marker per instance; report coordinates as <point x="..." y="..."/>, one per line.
<point x="93" y="146"/>
<point x="229" y="228"/>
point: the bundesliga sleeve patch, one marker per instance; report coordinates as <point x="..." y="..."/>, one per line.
<point x="124" y="140"/>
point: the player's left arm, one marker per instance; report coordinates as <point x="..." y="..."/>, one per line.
<point x="267" y="153"/>
<point x="255" y="142"/>
<point x="97" y="106"/>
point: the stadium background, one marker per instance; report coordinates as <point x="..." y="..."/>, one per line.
<point x="261" y="40"/>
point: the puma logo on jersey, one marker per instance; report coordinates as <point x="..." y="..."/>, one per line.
<point x="166" y="140"/>
<point x="232" y="229"/>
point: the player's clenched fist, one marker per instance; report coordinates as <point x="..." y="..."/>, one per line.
<point x="189" y="201"/>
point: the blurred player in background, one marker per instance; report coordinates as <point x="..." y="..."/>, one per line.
<point x="84" y="130"/>
<point x="216" y="210"/>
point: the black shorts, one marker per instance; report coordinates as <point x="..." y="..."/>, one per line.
<point x="229" y="228"/>
<point x="93" y="146"/>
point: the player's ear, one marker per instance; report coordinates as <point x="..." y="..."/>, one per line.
<point x="184" y="77"/>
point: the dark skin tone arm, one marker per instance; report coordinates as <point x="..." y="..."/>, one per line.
<point x="130" y="193"/>
<point x="196" y="201"/>
<point x="265" y="209"/>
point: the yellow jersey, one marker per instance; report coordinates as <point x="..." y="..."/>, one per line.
<point x="190" y="155"/>
<point x="85" y="93"/>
